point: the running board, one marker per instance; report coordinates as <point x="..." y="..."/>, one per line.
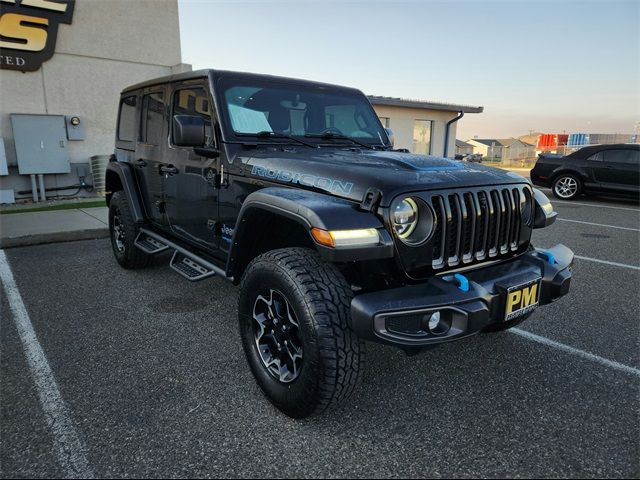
<point x="149" y="244"/>
<point x="188" y="268"/>
<point x="186" y="263"/>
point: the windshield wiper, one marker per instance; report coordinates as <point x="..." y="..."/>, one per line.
<point x="269" y="134"/>
<point x="331" y="135"/>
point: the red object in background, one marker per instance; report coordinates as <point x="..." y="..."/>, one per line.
<point x="551" y="141"/>
<point x="547" y="141"/>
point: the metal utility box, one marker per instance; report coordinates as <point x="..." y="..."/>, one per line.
<point x="75" y="127"/>
<point x="41" y="143"/>
<point x="3" y="159"/>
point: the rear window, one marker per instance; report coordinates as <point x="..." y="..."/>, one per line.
<point x="127" y="119"/>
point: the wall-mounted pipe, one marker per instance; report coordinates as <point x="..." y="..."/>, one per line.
<point x="446" y="132"/>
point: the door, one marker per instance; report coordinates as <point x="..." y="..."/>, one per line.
<point x="619" y="173"/>
<point x="150" y="149"/>
<point x="190" y="195"/>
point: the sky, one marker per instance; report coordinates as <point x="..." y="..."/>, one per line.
<point x="550" y="66"/>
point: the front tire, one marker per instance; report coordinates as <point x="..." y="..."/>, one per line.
<point x="566" y="187"/>
<point x="123" y="231"/>
<point x="294" y="322"/>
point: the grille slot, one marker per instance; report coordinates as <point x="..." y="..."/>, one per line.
<point x="472" y="226"/>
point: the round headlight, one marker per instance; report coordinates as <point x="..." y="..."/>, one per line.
<point x="412" y="220"/>
<point x="405" y="218"/>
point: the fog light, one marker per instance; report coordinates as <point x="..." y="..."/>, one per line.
<point x="434" y="321"/>
<point x="437" y="323"/>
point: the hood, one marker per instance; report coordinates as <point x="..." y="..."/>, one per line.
<point x="350" y="173"/>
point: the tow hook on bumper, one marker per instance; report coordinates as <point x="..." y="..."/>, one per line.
<point x="450" y="307"/>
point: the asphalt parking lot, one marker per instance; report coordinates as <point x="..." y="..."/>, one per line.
<point x="154" y="382"/>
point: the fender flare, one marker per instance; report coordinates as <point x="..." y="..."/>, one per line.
<point x="124" y="173"/>
<point x="313" y="210"/>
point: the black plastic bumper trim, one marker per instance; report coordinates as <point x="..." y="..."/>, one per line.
<point x="480" y="306"/>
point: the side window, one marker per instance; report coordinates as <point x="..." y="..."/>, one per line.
<point x="127" y="119"/>
<point x="596" y="157"/>
<point x="152" y="122"/>
<point x="194" y="101"/>
<point x="618" y="156"/>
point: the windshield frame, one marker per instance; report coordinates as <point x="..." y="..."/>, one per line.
<point x="223" y="83"/>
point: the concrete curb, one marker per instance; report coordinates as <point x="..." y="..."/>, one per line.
<point x="57" y="237"/>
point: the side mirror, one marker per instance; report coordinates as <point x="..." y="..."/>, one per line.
<point x="188" y="131"/>
<point x="390" y="135"/>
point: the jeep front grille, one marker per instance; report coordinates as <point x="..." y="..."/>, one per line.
<point x="472" y="226"/>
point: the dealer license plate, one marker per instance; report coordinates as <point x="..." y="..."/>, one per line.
<point x="522" y="299"/>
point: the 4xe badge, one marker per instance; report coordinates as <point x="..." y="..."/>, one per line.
<point x="28" y="31"/>
<point x="522" y="299"/>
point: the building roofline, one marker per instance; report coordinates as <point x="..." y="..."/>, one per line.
<point x="374" y="99"/>
<point x="409" y="103"/>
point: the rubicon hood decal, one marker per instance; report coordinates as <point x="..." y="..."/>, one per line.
<point x="323" y="183"/>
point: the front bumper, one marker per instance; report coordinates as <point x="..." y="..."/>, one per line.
<point x="396" y="316"/>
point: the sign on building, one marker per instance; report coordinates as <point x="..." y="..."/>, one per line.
<point x="28" y="31"/>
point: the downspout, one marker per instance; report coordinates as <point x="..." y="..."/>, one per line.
<point x="446" y="132"/>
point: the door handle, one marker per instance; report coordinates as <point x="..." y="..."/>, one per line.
<point x="168" y="169"/>
<point x="141" y="162"/>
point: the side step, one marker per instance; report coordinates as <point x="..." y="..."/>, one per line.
<point x="188" y="268"/>
<point x="149" y="244"/>
<point x="186" y="263"/>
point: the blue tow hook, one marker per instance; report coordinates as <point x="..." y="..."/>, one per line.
<point x="551" y="259"/>
<point x="463" y="282"/>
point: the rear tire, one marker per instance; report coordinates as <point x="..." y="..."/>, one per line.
<point x="123" y="232"/>
<point x="294" y="322"/>
<point x="567" y="186"/>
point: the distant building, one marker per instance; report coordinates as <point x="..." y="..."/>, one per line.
<point x="421" y="126"/>
<point x="463" y="148"/>
<point x="502" y="148"/>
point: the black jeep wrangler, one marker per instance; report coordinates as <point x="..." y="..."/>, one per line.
<point x="293" y="190"/>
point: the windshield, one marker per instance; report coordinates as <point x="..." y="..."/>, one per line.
<point x="300" y="110"/>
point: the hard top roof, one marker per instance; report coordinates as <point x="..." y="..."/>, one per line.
<point x="196" y="74"/>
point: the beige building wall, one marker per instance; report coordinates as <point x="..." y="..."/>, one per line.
<point x="401" y="120"/>
<point x="478" y="147"/>
<point x="109" y="45"/>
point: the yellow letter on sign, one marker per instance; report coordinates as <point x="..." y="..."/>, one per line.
<point x="513" y="300"/>
<point x="529" y="295"/>
<point x="46" y="4"/>
<point x="11" y="26"/>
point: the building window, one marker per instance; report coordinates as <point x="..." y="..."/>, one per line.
<point x="127" y="119"/>
<point x="422" y="136"/>
<point x="386" y="121"/>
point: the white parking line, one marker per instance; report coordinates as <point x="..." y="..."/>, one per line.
<point x="68" y="447"/>
<point x="598" y="224"/>
<point x="607" y="262"/>
<point x="596" y="205"/>
<point x="575" y="351"/>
